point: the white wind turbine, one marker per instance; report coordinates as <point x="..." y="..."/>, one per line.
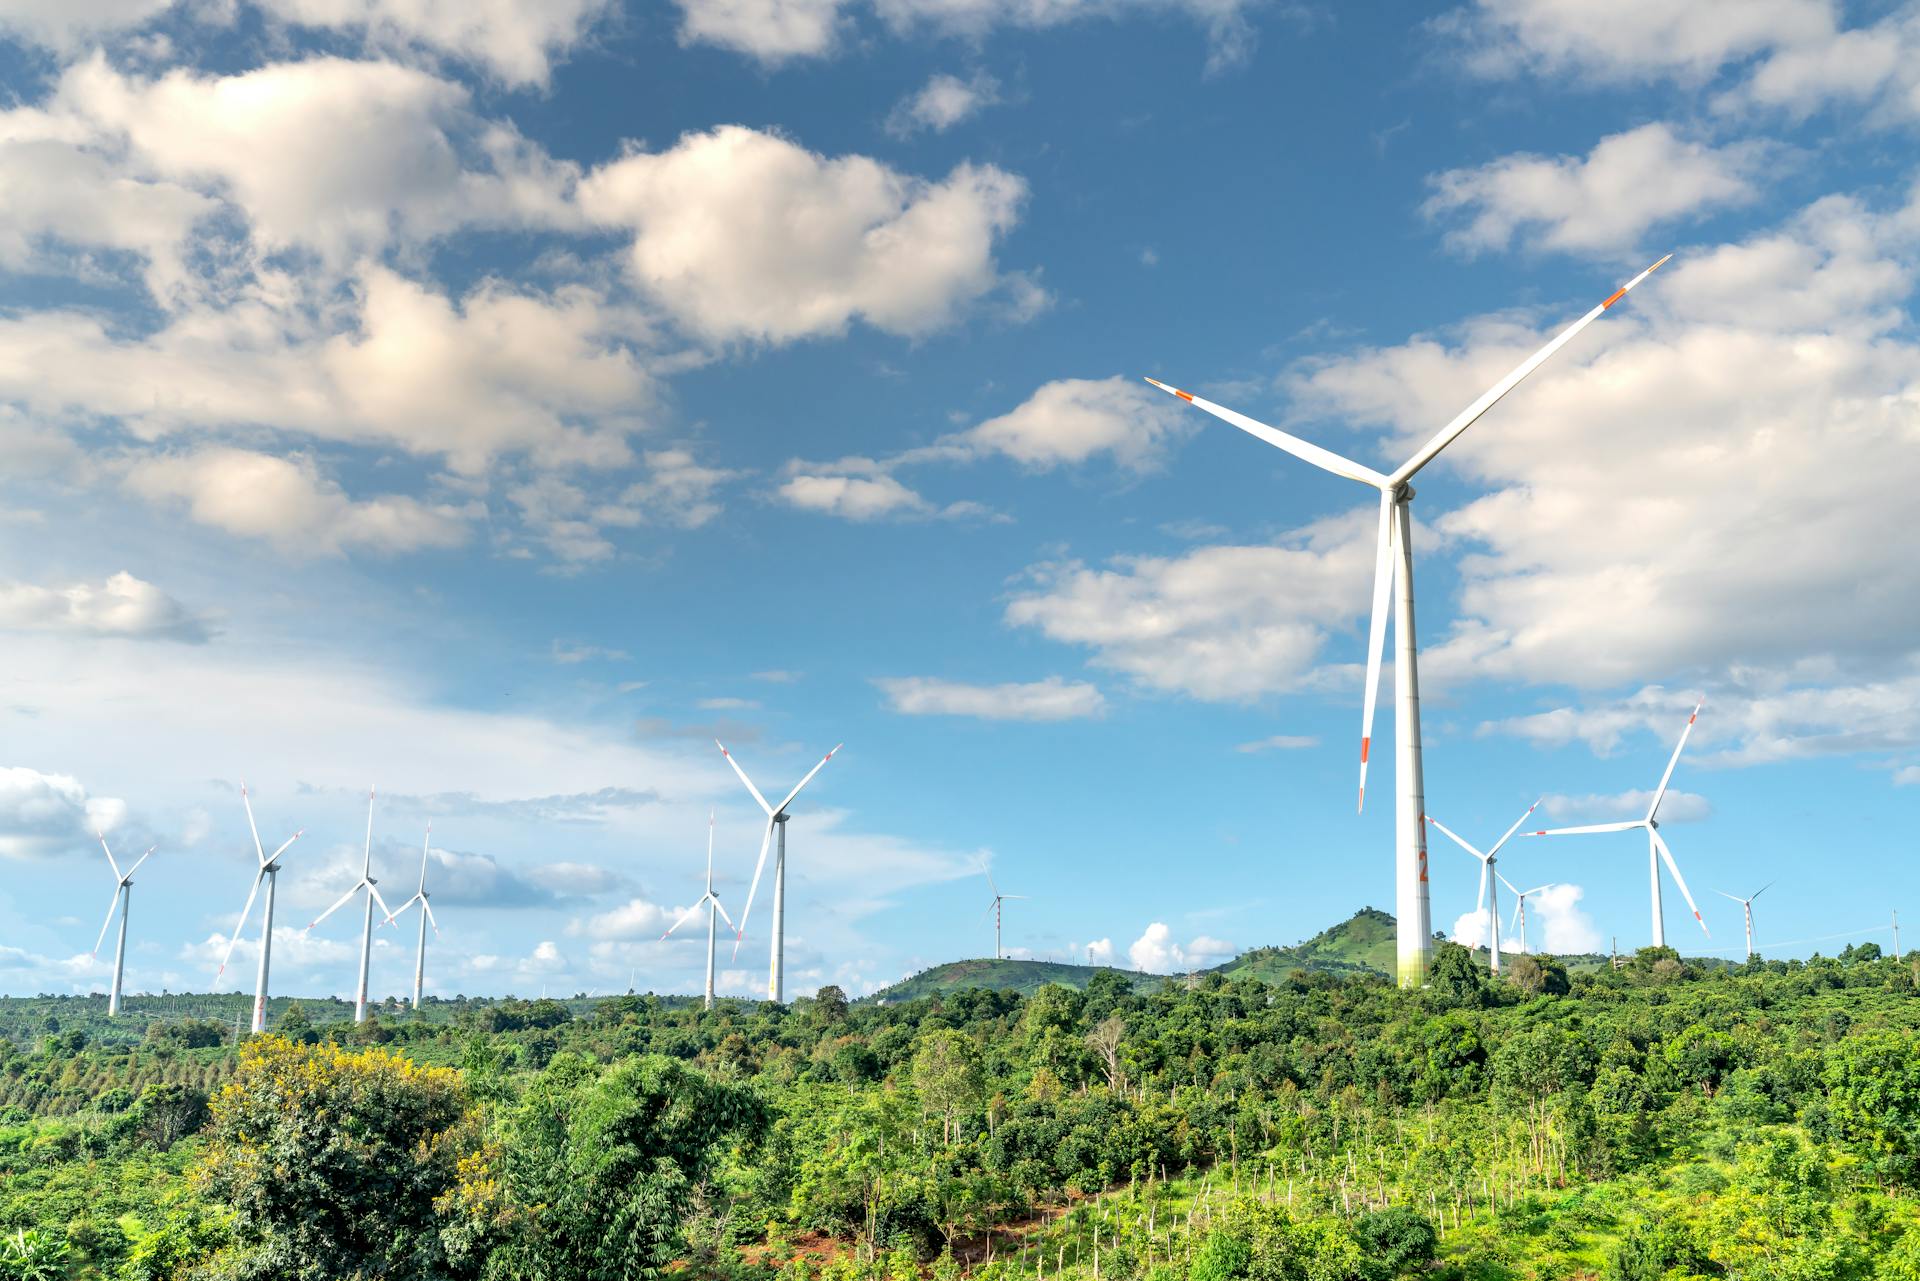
<point x="712" y="900"/>
<point x="122" y="898"/>
<point x="1746" y="905"/>
<point x="1657" y="851"/>
<point x="420" y="896"/>
<point x="1487" y="873"/>
<point x="367" y="883"/>
<point x="1520" y="904"/>
<point x="776" y="817"/>
<point x="994" y="907"/>
<point x="269" y="872"/>
<point x="1393" y="564"/>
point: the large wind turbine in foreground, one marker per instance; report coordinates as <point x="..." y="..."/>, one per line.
<point x="122" y="897"/>
<point x="367" y="883"/>
<point x="1746" y="905"/>
<point x="1393" y="564"/>
<point x="1487" y="874"/>
<point x="712" y="901"/>
<point x="1657" y="850"/>
<point x="420" y="896"/>
<point x="994" y="907"/>
<point x="776" y="817"/>
<point x="270" y="873"/>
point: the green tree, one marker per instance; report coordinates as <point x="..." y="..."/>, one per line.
<point x="948" y="1078"/>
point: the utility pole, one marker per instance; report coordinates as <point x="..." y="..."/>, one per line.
<point x="1896" y="933"/>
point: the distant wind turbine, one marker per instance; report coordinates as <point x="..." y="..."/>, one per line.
<point x="367" y="883"/>
<point x="1489" y="889"/>
<point x="122" y="898"/>
<point x="1657" y="851"/>
<point x="1746" y="906"/>
<point x="427" y="918"/>
<point x="712" y="900"/>
<point x="1393" y="565"/>
<point x="776" y="817"/>
<point x="1520" y="904"/>
<point x="994" y="907"/>
<point x="269" y="872"/>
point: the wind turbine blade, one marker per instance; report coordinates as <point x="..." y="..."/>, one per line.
<point x="1480" y="905"/>
<point x="1511" y="887"/>
<point x="1325" y="459"/>
<point x="766" y="839"/>
<point x="113" y="903"/>
<point x="1454" y="837"/>
<point x="709" y="851"/>
<point x="426" y="846"/>
<point x="117" y="875"/>
<point x="1661" y="792"/>
<point x="1516" y="827"/>
<point x="685" y="916"/>
<point x="1592" y="827"/>
<point x="400" y="911"/>
<point x="377" y="899"/>
<point x="1666" y="856"/>
<point x="1762" y="890"/>
<point x="428" y="909"/>
<point x="989" y="912"/>
<point x="136" y="866"/>
<point x="1007" y="896"/>
<point x="366" y="857"/>
<point x="252" y="826"/>
<point x="743" y="777"/>
<point x="1514" y="923"/>
<point x="1493" y="395"/>
<point x="990" y="885"/>
<point x="1537" y="889"/>
<point x="808" y="779"/>
<point x="240" y="924"/>
<point x="1735" y="897"/>
<point x="338" y="903"/>
<point x="1383" y="571"/>
<point x="721" y="908"/>
<point x="284" y="844"/>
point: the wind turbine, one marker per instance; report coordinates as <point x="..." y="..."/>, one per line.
<point x="994" y="907"/>
<point x="122" y="897"/>
<point x="1520" y="909"/>
<point x="712" y="901"/>
<point x="420" y="896"/>
<point x="1393" y="565"/>
<point x="367" y="883"/>
<point x="1487" y="873"/>
<point x="776" y="817"/>
<point x="269" y="872"/>
<point x="1657" y="850"/>
<point x="1746" y="905"/>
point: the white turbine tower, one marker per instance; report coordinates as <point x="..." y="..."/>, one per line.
<point x="1487" y="872"/>
<point x="1520" y="904"/>
<point x="420" y="896"/>
<point x="1393" y="565"/>
<point x="270" y="873"/>
<point x="994" y="907"/>
<point x="712" y="900"/>
<point x="122" y="898"/>
<point x="776" y="817"/>
<point x="1746" y="905"/>
<point x="367" y="883"/>
<point x="1657" y="851"/>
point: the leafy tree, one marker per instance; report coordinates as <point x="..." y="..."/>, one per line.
<point x="948" y="1078"/>
<point x="166" y="1112"/>
<point x="1873" y="1099"/>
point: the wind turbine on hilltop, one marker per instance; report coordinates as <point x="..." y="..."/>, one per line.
<point x="420" y="896"/>
<point x="269" y="872"/>
<point x="776" y="817"/>
<point x="1746" y="906"/>
<point x="994" y="907"/>
<point x="1520" y="909"/>
<point x="122" y="898"/>
<point x="712" y="901"/>
<point x="1393" y="564"/>
<point x="367" y="883"/>
<point x="1488" y="888"/>
<point x="1657" y="851"/>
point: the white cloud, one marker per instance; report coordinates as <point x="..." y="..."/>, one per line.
<point x="517" y="40"/>
<point x="293" y="948"/>
<point x="637" y="918"/>
<point x="289" y="503"/>
<point x="65" y="26"/>
<point x="46" y="814"/>
<point x="1279" y="743"/>
<point x="852" y="497"/>
<point x="942" y="103"/>
<point x="1601" y="203"/>
<point x="744" y="235"/>
<point x="1557" y="923"/>
<point x="678" y="491"/>
<point x="1156" y="952"/>
<point x="770" y="30"/>
<point x="1071" y="420"/>
<point x="122" y="605"/>
<point x="1676" y="807"/>
<point x="1051" y="699"/>
<point x="1102" y="952"/>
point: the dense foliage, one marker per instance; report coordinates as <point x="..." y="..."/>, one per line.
<point x="1658" y="1120"/>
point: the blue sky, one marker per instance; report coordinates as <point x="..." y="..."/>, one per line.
<point x="496" y="403"/>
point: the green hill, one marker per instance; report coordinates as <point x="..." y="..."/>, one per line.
<point x="1024" y="977"/>
<point x="1361" y="944"/>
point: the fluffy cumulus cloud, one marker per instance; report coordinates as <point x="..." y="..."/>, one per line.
<point x="942" y="103"/>
<point x="1052" y="699"/>
<point x="1602" y="202"/>
<point x="1556" y="924"/>
<point x="454" y="878"/>
<point x="1156" y="952"/>
<point x="637" y="918"/>
<point x="844" y="492"/>
<point x="122" y="605"/>
<point x="746" y="235"/>
<point x="46" y="814"/>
